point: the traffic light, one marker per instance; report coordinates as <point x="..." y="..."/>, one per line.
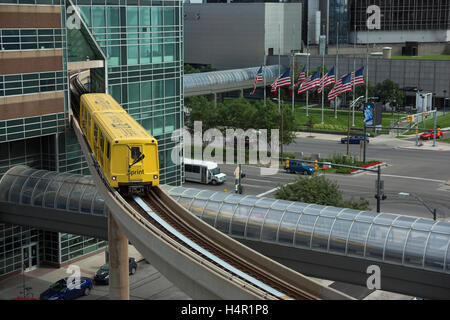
<point x="316" y="165"/>
<point x="417" y="129"/>
<point x="287" y="163"/>
<point x="425" y="112"/>
<point x="409" y="119"/>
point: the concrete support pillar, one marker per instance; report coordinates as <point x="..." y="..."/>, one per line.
<point x="215" y="99"/>
<point x="119" y="280"/>
<point x="241" y="93"/>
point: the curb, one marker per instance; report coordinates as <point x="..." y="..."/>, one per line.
<point x="376" y="165"/>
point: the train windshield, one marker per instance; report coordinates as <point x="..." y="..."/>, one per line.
<point x="135" y="153"/>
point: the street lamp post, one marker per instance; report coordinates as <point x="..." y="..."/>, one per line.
<point x="432" y="210"/>
<point x="445" y="96"/>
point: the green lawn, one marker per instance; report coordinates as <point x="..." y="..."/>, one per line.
<point x="426" y="57"/>
<point x="339" y="124"/>
<point x="445" y="140"/>
<point x="441" y="122"/>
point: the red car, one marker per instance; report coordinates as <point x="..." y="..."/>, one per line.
<point x="430" y="135"/>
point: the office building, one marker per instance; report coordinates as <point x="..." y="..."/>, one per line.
<point x="138" y="48"/>
<point x="239" y="35"/>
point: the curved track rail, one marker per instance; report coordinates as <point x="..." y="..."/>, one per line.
<point x="201" y="275"/>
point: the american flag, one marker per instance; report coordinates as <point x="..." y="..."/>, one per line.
<point x="310" y="83"/>
<point x="282" y="81"/>
<point x="301" y="77"/>
<point x="343" y="85"/>
<point x="259" y="78"/>
<point x="358" y="77"/>
<point x="326" y="80"/>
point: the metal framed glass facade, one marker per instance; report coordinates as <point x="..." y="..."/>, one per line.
<point x="339" y="13"/>
<point x="30" y="39"/>
<point x="404" y="14"/>
<point x="143" y="43"/>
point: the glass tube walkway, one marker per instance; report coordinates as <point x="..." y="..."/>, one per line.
<point x="50" y="189"/>
<point x="384" y="237"/>
<point x="389" y="238"/>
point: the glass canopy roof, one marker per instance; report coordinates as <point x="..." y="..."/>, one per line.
<point x="50" y="189"/>
<point x="195" y="80"/>
<point x="385" y="237"/>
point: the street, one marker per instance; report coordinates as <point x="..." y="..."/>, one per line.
<point x="420" y="172"/>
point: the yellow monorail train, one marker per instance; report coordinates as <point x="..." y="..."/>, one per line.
<point x="126" y="152"/>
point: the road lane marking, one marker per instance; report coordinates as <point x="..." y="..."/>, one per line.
<point x="406" y="177"/>
<point x="272" y="190"/>
<point x="267" y="192"/>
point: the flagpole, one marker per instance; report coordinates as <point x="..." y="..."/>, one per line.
<point x="337" y="66"/>
<point x="354" y="70"/>
<point x="279" y="66"/>
<point x="307" y="68"/>
<point x="367" y="67"/>
<point x="293" y="68"/>
<point x="264" y="74"/>
<point x="323" y="74"/>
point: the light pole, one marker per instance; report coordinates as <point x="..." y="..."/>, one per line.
<point x="406" y="194"/>
<point x="445" y="99"/>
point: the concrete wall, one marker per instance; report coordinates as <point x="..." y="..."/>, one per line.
<point x="435" y="48"/>
<point x="237" y="35"/>
<point x="428" y="75"/>
<point x="396" y="36"/>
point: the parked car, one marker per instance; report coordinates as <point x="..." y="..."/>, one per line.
<point x="430" y="135"/>
<point x="298" y="166"/>
<point x="102" y="275"/>
<point x="62" y="290"/>
<point x="354" y="139"/>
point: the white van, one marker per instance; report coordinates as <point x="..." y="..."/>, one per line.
<point x="203" y="172"/>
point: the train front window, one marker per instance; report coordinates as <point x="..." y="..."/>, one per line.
<point x="135" y="152"/>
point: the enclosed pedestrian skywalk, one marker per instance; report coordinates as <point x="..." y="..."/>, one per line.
<point x="322" y="241"/>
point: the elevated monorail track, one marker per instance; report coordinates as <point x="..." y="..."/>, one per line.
<point x="252" y="273"/>
<point x="211" y="265"/>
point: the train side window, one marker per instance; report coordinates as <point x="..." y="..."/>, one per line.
<point x="108" y="149"/>
<point x="102" y="142"/>
<point x="84" y="121"/>
<point x="95" y="132"/>
<point x="188" y="168"/>
<point x="88" y="130"/>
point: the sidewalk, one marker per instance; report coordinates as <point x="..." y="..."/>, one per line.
<point x="410" y="144"/>
<point x="40" y="279"/>
<point x="382" y="140"/>
<point x="319" y="136"/>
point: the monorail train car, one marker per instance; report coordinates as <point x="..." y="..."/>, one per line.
<point x="125" y="151"/>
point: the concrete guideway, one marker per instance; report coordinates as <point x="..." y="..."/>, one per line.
<point x="196" y="276"/>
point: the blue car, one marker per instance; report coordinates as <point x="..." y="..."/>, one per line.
<point x="354" y="139"/>
<point x="61" y="290"/>
<point x="294" y="166"/>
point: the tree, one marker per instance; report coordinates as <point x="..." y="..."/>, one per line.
<point x="318" y="190"/>
<point x="389" y="91"/>
<point x="204" y="110"/>
<point x="240" y="114"/>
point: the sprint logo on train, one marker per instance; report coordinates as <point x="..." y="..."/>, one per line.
<point x="136" y="172"/>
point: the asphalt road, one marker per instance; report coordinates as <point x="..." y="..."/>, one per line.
<point x="418" y="172"/>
